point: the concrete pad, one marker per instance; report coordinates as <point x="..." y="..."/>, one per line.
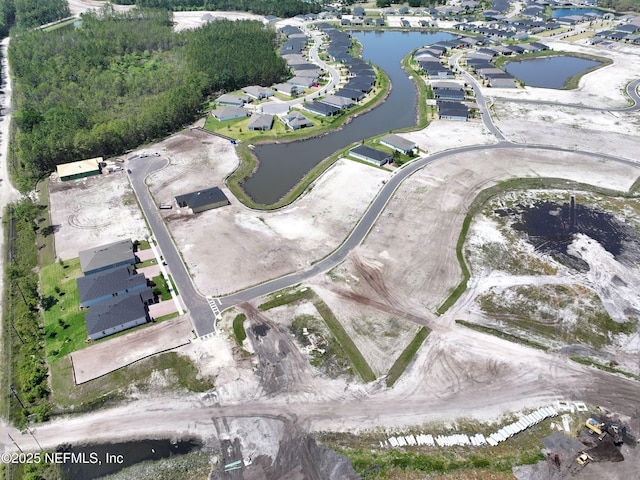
<point x="105" y="357"/>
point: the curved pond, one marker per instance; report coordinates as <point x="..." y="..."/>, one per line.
<point x="281" y="166"/>
<point x="565" y="12"/>
<point x="548" y="72"/>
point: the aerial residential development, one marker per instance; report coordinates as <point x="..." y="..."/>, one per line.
<point x="313" y="240"/>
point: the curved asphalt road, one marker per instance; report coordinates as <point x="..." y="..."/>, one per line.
<point x="202" y="315"/>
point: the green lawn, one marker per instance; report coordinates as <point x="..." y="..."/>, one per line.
<point x="65" y="330"/>
<point x="161" y="285"/>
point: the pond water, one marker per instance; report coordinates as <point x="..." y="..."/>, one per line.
<point x="566" y="12"/>
<point x="281" y="166"/>
<point x="551" y="227"/>
<point x="548" y="72"/>
<point x="105" y="459"/>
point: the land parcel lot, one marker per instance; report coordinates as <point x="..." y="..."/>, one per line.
<point x="409" y="258"/>
<point x="93" y="211"/>
<point x="255" y="245"/>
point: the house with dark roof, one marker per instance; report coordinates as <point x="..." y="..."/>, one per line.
<point x="447" y="90"/>
<point x="202" y="200"/>
<point x="370" y="155"/>
<point x="321" y="108"/>
<point x="398" y="143"/>
<point x="261" y="122"/>
<point x="296" y="120"/>
<point x="355" y="95"/>
<point x="117" y="314"/>
<point x="452" y="111"/>
<point x="107" y="256"/>
<point x="101" y="286"/>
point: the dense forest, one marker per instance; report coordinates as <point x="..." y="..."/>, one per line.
<point x="621" y="5"/>
<point x="120" y="80"/>
<point x="30" y="13"/>
<point x="279" y="8"/>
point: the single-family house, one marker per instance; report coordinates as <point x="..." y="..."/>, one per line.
<point x="452" y="111"/>
<point x="228" y="100"/>
<point x="229" y="113"/>
<point x="321" y="108"/>
<point x="117" y="314"/>
<point x="260" y="121"/>
<point x="107" y="256"/>
<point x="202" y="200"/>
<point x="257" y="92"/>
<point x="286" y="89"/>
<point x="338" y="101"/>
<point x="398" y="143"/>
<point x="296" y="120"/>
<point x="101" y="286"/>
<point x="370" y="155"/>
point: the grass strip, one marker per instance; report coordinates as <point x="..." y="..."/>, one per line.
<point x="285" y="298"/>
<point x="343" y="338"/>
<point x="592" y="363"/>
<point x="238" y="328"/>
<point x="403" y="361"/>
<point x="504" y="335"/>
<point x="345" y="341"/>
<point x="462" y="286"/>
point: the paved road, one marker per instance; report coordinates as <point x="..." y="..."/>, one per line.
<point x="197" y="305"/>
<point x="481" y="100"/>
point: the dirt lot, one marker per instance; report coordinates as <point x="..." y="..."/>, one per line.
<point x="93" y="211"/>
<point x="99" y="359"/>
<point x="255" y="245"/>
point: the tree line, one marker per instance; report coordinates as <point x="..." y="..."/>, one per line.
<point x="123" y="79"/>
<point x="279" y="8"/>
<point x="30" y="13"/>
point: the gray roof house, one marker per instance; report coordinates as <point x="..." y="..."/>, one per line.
<point x="338" y="101"/>
<point x="117" y="314"/>
<point x="229" y="113"/>
<point x="398" y="143"/>
<point x="228" y="100"/>
<point x="202" y="200"/>
<point x="286" y="88"/>
<point x="370" y="155"/>
<point x="259" y="121"/>
<point x="296" y="120"/>
<point x="107" y="256"/>
<point x="257" y="92"/>
<point x="104" y="285"/>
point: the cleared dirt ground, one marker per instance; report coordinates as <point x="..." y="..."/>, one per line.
<point x="250" y="246"/>
<point x="93" y="211"/>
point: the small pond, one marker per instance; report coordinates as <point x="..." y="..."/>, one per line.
<point x="548" y="72"/>
<point x="551" y="227"/>
<point x="105" y="459"/>
<point x="566" y="12"/>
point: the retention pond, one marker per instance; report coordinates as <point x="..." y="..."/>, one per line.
<point x="549" y="72"/>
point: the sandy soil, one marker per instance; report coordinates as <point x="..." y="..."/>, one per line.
<point x="425" y="217"/>
<point x="93" y="211"/>
<point x="255" y="245"/>
<point x="98" y="360"/>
